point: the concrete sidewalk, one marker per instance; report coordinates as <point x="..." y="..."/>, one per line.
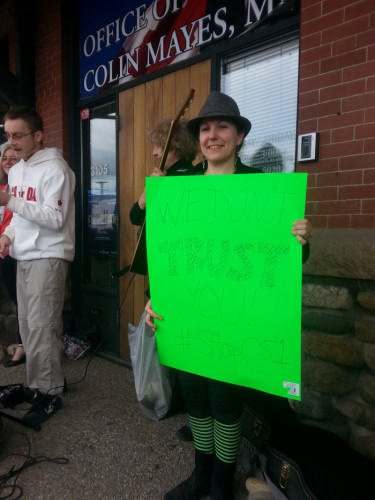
<point x="109" y="449"/>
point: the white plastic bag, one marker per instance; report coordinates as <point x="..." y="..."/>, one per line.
<point x="152" y="384"/>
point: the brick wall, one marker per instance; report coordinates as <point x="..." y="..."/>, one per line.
<point x="337" y="99"/>
<point x="51" y="70"/>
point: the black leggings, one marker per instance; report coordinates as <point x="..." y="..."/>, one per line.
<point x="205" y="397"/>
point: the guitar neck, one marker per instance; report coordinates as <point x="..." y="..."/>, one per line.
<point x="166" y="147"/>
<point x="176" y="119"/>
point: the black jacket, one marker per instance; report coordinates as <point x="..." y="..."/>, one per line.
<point x="181" y="167"/>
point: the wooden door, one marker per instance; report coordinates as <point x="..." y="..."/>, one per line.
<point x="139" y="110"/>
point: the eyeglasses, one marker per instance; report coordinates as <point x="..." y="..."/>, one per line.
<point x="16" y="137"/>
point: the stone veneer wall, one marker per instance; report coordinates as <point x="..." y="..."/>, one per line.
<point x="338" y="337"/>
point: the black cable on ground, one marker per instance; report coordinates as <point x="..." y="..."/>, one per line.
<point x="8" y="481"/>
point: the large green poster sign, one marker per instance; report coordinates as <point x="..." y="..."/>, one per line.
<point x="225" y="275"/>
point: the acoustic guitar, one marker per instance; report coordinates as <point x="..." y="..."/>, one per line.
<point x="139" y="260"/>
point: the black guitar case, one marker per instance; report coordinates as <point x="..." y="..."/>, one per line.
<point x="305" y="461"/>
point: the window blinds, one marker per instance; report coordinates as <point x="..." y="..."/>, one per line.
<point x="265" y="86"/>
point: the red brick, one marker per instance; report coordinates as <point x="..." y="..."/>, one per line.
<point x="343" y="61"/>
<point x="323" y="165"/>
<point x="359" y="71"/>
<point x="346" y="178"/>
<point x="356" y="192"/>
<point x="370" y="115"/>
<point x="319" y="110"/>
<point x="365" y="131"/>
<point x="366" y="38"/>
<point x="309" y="209"/>
<point x="370" y="84"/>
<point x="309" y="12"/>
<point x="343" y="134"/>
<point x="345" y="207"/>
<point x="344" y="45"/>
<point x="341" y="149"/>
<point x="325" y="137"/>
<point x="309" y="70"/>
<point x="338" y="221"/>
<point x="364" y="161"/>
<point x="358" y="102"/>
<point x="308" y="98"/>
<point x="362" y="221"/>
<point x="359" y="9"/>
<point x="333" y="5"/>
<point x="341" y="120"/>
<point x="318" y="222"/>
<point x="304" y="127"/>
<point x="315" y="54"/>
<point x="368" y="206"/>
<point x="308" y="42"/>
<point x="341" y="30"/>
<point x="322" y="194"/>
<point x="343" y="90"/>
<point x="321" y="81"/>
<point x="311" y="181"/>
<point x="369" y="146"/>
<point x="369" y="176"/>
<point x="320" y="23"/>
<point x="371" y="53"/>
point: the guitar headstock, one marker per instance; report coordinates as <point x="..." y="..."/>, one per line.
<point x="185" y="106"/>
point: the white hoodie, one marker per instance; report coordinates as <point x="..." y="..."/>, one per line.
<point x="43" y="223"/>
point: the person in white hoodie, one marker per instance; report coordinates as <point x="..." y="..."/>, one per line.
<point x="41" y="237"/>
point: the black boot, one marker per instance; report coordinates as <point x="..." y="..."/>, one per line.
<point x="222" y="480"/>
<point x="197" y="485"/>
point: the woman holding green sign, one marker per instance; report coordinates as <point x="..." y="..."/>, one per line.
<point x="215" y="408"/>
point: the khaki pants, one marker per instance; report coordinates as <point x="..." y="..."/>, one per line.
<point x="40" y="296"/>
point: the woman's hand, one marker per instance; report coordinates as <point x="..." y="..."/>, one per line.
<point x="142" y="199"/>
<point x="150" y="315"/>
<point x="303" y="230"/>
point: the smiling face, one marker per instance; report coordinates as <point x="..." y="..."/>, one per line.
<point x="25" y="142"/>
<point x="218" y="139"/>
<point x="8" y="160"/>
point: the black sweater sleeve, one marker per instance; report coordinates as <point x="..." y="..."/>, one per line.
<point x="137" y="215"/>
<point x="305" y="252"/>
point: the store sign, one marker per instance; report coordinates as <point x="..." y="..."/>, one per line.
<point x="120" y="41"/>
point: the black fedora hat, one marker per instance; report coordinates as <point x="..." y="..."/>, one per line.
<point x="219" y="105"/>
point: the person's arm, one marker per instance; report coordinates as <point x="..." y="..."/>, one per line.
<point x="151" y="315"/>
<point x="305" y="252"/>
<point x="302" y="229"/>
<point x="138" y="211"/>
<point x="137" y="215"/>
<point x="54" y="207"/>
<point x="4" y="246"/>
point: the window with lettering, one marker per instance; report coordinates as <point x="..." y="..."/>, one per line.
<point x="264" y="83"/>
<point x="101" y="204"/>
